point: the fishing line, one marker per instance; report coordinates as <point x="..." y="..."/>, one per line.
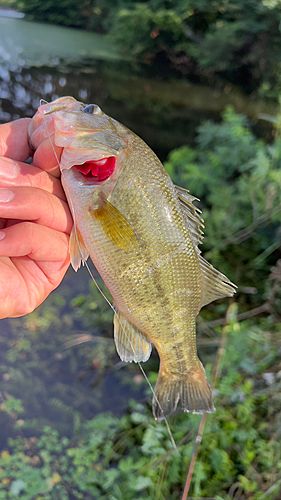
<point x="113" y="309"/>
<point x="132" y="347"/>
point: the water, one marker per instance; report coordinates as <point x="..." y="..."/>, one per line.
<point x="56" y="385"/>
<point x="11" y="13"/>
<point x="45" y="61"/>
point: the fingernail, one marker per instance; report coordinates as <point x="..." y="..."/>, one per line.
<point x="2" y="235"/>
<point x="6" y="195"/>
<point x="8" y="169"/>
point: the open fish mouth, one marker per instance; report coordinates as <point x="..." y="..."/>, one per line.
<point x="91" y="141"/>
<point x="96" y="171"/>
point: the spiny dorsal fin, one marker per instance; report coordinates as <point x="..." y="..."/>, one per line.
<point x="131" y="344"/>
<point x="193" y="220"/>
<point x="78" y="251"/>
<point x="215" y="284"/>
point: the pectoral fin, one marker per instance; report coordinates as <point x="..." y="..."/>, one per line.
<point x="215" y="284"/>
<point x="78" y="251"/>
<point x="115" y="225"/>
<point x="131" y="344"/>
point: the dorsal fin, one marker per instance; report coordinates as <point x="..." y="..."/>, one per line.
<point x="131" y="344"/>
<point x="192" y="216"/>
<point x="215" y="284"/>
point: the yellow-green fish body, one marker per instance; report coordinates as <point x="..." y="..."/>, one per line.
<point x="142" y="234"/>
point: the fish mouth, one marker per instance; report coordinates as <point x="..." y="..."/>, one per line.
<point x="97" y="171"/>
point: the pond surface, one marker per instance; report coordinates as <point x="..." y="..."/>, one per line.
<point x="46" y="61"/>
<point x="58" y="385"/>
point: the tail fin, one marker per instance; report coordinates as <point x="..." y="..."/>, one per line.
<point x="188" y="392"/>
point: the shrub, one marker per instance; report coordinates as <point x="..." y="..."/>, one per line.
<point x="238" y="179"/>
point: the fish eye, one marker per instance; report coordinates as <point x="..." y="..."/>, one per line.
<point x="92" y="109"/>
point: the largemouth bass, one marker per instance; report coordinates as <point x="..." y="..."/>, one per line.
<point x="142" y="234"/>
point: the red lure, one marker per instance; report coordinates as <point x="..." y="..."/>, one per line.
<point x="98" y="170"/>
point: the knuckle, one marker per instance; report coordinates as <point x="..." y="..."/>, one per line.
<point x="41" y="180"/>
<point x="52" y="209"/>
<point x="3" y="146"/>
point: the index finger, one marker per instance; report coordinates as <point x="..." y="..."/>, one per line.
<point x="14" y="141"/>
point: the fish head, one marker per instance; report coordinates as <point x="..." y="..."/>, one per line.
<point x="93" y="144"/>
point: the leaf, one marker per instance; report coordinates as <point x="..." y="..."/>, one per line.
<point x="17" y="487"/>
<point x="142" y="483"/>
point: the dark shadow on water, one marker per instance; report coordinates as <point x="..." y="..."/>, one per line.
<point x="59" y="385"/>
<point x="165" y="113"/>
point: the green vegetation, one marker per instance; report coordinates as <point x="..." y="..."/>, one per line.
<point x="57" y="440"/>
<point x="119" y="458"/>
<point x="238" y="41"/>
<point x="12" y="4"/>
<point x="86" y="14"/>
<point x="238" y="179"/>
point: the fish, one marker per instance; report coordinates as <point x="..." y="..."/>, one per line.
<point x="142" y="234"/>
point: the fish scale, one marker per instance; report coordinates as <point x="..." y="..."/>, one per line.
<point x="142" y="234"/>
<point x="150" y="249"/>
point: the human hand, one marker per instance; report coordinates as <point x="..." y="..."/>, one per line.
<point x="34" y="221"/>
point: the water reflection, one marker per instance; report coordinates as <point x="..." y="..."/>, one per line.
<point x="22" y="88"/>
<point x="166" y="114"/>
<point x="11" y="13"/>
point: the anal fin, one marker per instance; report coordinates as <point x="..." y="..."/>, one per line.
<point x="215" y="284"/>
<point x="78" y="251"/>
<point x="131" y="344"/>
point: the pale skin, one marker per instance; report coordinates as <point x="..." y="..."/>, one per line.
<point x="35" y="221"/>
